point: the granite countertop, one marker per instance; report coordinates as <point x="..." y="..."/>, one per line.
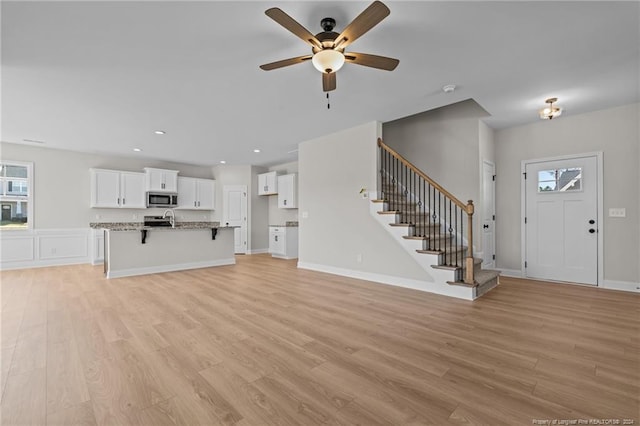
<point x="138" y="226"/>
<point x="289" y="224"/>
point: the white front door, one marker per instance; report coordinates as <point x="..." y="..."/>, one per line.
<point x="561" y="220"/>
<point x="234" y="213"/>
<point x="488" y="215"/>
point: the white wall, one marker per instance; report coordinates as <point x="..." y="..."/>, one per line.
<point x="278" y="216"/>
<point x="614" y="132"/>
<point x="338" y="226"/>
<point x="62" y="185"/>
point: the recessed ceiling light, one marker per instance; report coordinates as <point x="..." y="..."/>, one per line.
<point x="137" y="149"/>
<point x="159" y="132"/>
<point x="223" y="162"/>
<point x="256" y="150"/>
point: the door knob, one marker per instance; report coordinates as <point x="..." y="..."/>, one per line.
<point x="591" y="222"/>
<point x="485" y="226"/>
<point x="591" y="231"/>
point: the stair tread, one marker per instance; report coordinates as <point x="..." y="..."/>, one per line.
<point x="451" y="250"/>
<point x="447" y="267"/>
<point x="485" y="275"/>
<point x="389" y="212"/>
<point x="379" y="201"/>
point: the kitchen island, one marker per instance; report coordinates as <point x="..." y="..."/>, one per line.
<point x="134" y="249"/>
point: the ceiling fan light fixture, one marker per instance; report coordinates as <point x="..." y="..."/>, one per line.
<point x="328" y="60"/>
<point x="550" y="112"/>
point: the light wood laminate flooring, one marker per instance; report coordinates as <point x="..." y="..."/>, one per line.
<point x="263" y="343"/>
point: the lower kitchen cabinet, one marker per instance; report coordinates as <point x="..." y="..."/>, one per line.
<point x="283" y="242"/>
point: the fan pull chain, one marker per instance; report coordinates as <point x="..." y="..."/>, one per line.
<point x="328" y="104"/>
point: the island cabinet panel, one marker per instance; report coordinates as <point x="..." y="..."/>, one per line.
<point x="166" y="250"/>
<point x="196" y="194"/>
<point x="117" y="189"/>
<point x="161" y="180"/>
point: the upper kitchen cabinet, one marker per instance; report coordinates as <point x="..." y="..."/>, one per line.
<point x="268" y="183"/>
<point x="288" y="191"/>
<point x="161" y="180"/>
<point x="196" y="194"/>
<point x="116" y="189"/>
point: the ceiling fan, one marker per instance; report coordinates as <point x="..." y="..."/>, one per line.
<point x="328" y="46"/>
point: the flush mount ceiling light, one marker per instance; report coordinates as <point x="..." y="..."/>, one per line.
<point x="137" y="149"/>
<point x="223" y="162"/>
<point x="256" y="150"/>
<point x="550" y="112"/>
<point x="159" y="132"/>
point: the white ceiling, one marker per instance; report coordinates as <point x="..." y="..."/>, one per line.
<point x="102" y="76"/>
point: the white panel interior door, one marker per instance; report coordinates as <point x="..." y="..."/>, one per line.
<point x="488" y="215"/>
<point x="234" y="213"/>
<point x="561" y="213"/>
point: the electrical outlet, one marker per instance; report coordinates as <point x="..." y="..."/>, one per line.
<point x="359" y="258"/>
<point x="305" y="215"/>
<point x="135" y="215"/>
<point x="618" y="212"/>
<point x="98" y="216"/>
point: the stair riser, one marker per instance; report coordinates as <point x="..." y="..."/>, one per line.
<point x="485" y="288"/>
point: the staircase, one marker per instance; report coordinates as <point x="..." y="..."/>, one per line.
<point x="433" y="226"/>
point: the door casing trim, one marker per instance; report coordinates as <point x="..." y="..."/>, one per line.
<point x="600" y="207"/>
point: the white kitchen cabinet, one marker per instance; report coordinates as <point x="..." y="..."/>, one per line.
<point x="161" y="180"/>
<point x="283" y="241"/>
<point x="268" y="183"/>
<point x="288" y="191"/>
<point x="196" y="194"/>
<point x="117" y="189"/>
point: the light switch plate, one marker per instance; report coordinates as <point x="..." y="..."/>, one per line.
<point x="618" y="212"/>
<point x="305" y="215"/>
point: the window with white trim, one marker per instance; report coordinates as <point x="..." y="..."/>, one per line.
<point x="16" y="195"/>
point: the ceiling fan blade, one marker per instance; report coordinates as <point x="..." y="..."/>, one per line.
<point x="368" y="19"/>
<point x="373" y="61"/>
<point x="328" y="81"/>
<point x="285" y="62"/>
<point x="292" y="25"/>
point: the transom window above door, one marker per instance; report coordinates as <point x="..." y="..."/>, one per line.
<point x="560" y="180"/>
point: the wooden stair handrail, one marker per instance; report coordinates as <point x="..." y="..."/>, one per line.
<point x="468" y="208"/>
<point x="419" y="172"/>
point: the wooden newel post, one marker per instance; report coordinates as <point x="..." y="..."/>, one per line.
<point x="468" y="274"/>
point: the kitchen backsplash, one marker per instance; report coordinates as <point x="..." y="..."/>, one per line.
<point x="137" y="215"/>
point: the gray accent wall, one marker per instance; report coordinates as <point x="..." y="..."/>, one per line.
<point x="338" y="226"/>
<point x="614" y="132"/>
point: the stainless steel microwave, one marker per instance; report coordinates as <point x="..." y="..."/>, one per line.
<point x="162" y="199"/>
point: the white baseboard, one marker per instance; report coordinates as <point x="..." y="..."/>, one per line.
<point x="259" y="251"/>
<point x="621" y="285"/>
<point x="446" y="290"/>
<point x="515" y="273"/>
<point x="169" y="268"/>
